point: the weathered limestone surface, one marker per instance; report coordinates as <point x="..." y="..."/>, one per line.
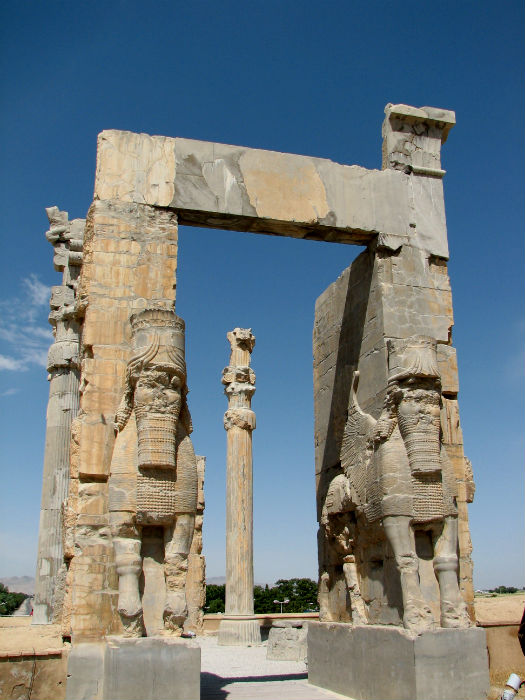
<point x="239" y="627"/>
<point x="130" y="259"/>
<point x="33" y="674"/>
<point x="63" y="366"/>
<point x="236" y="188"/>
<point x="388" y="297"/>
<point x="390" y="308"/>
<point x="385" y="662"/>
<point x="153" y="477"/>
<point x="287" y="641"/>
<point x="196" y="578"/>
<point x="154" y="668"/>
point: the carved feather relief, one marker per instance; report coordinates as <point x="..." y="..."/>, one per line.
<point x="357" y="445"/>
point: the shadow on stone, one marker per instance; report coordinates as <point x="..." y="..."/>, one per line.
<point x="212" y="686"/>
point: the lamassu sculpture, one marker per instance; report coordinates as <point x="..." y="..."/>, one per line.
<point x="153" y="480"/>
<point x="397" y="474"/>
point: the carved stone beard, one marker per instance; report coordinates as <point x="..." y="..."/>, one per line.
<point x="157" y="404"/>
<point x="419" y="423"/>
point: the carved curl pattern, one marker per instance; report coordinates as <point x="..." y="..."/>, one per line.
<point x="239" y="418"/>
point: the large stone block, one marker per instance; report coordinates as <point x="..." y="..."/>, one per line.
<point x="151" y="668"/>
<point x="238" y="188"/>
<point x="389" y="663"/>
<point x="287" y="641"/>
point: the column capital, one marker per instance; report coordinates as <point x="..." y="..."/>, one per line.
<point x="239" y="418"/>
<point x="412" y="138"/>
<point x="242" y="342"/>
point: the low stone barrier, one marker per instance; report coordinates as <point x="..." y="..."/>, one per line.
<point x="31" y="674"/>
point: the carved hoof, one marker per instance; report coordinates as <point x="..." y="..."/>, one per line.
<point x="418" y="618"/>
<point x="454" y="615"/>
<point x="175" y="613"/>
<point x="129" y="606"/>
<point x="133" y="625"/>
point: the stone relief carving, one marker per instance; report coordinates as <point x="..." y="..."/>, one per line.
<point x="153" y="480"/>
<point x="396" y="474"/>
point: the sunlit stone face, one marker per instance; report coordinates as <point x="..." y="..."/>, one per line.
<point x="419" y="422"/>
<point x="157" y="404"/>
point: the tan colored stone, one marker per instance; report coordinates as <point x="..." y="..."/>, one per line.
<point x="135" y="168"/>
<point x="281" y="186"/>
<point x="239" y="421"/>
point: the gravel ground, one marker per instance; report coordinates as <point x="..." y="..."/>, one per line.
<point x="244" y="673"/>
<point x="237" y="662"/>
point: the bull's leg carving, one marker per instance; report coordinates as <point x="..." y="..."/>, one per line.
<point x="128" y="562"/>
<point x="357" y="604"/>
<point x="417" y="615"/>
<point x="177" y="543"/>
<point x="453" y="607"/>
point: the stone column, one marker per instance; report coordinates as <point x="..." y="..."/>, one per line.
<point x="239" y="626"/>
<point x="63" y="368"/>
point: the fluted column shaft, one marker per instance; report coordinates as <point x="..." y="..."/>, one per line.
<point x="61" y="409"/>
<point x="239" y="422"/>
<point x="63" y="366"/>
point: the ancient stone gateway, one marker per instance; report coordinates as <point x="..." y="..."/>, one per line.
<point x="392" y="481"/>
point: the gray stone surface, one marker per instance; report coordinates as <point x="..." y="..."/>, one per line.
<point x="244" y="189"/>
<point x="385" y="662"/>
<point x="85" y="672"/>
<point x="152" y="668"/>
<point x="63" y="367"/>
<point x="383" y="296"/>
<point x="287" y="641"/>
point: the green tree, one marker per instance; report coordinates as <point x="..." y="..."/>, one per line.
<point x="9" y="602"/>
<point x="215" y="598"/>
<point x="301" y="592"/>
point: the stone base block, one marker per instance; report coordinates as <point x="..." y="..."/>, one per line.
<point x="241" y="632"/>
<point x="151" y="668"/>
<point x="287" y="641"/>
<point x="390" y="663"/>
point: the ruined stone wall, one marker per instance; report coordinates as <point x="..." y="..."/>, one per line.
<point x="146" y="185"/>
<point x="393" y="290"/>
<point x="130" y="256"/>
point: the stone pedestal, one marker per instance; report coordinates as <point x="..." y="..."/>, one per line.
<point x="151" y="668"/>
<point x="387" y="662"/>
<point x="239" y="630"/>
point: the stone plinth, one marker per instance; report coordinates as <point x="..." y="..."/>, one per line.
<point x="239" y="630"/>
<point x="387" y="662"/>
<point x="151" y="668"/>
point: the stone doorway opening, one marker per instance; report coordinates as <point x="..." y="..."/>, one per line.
<point x="227" y="279"/>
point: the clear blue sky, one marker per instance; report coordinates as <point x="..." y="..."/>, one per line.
<point x="302" y="77"/>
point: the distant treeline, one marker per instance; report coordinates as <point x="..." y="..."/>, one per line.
<point x="9" y="602"/>
<point x="301" y="592"/>
<point x="504" y="589"/>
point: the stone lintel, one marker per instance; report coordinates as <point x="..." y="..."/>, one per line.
<point x="233" y="187"/>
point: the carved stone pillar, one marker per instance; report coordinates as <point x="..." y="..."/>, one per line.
<point x="63" y="368"/>
<point x="239" y="626"/>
